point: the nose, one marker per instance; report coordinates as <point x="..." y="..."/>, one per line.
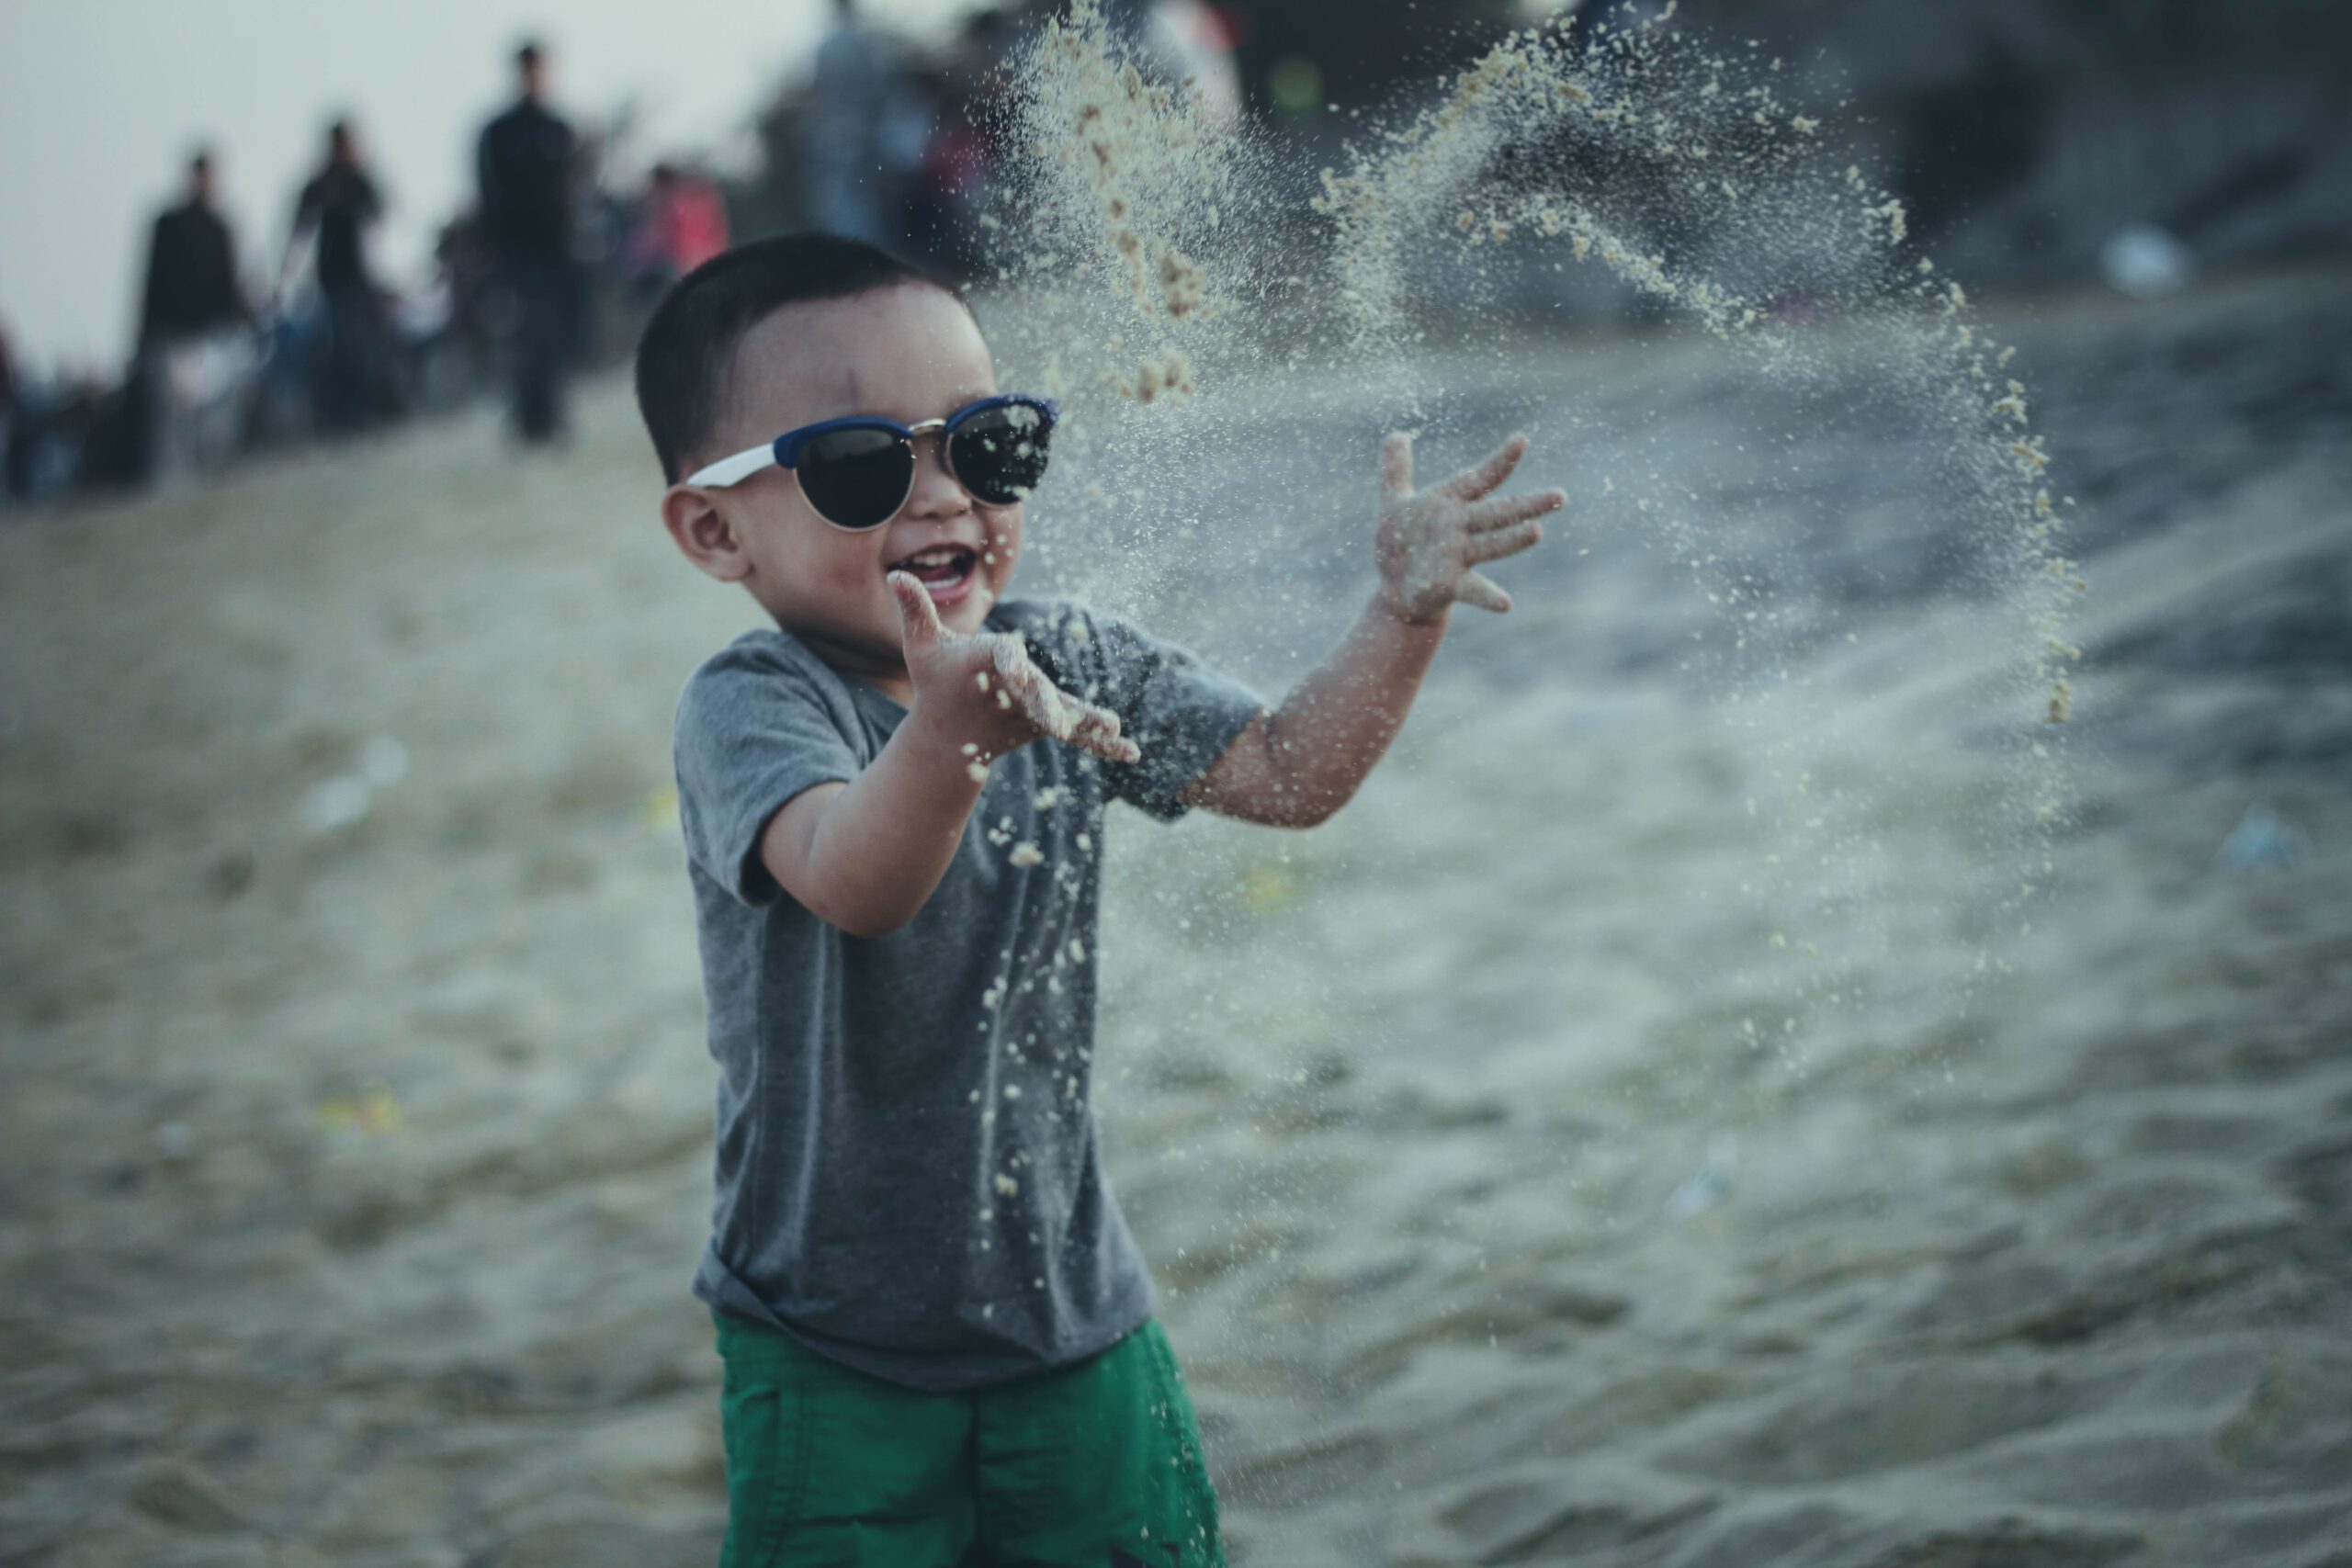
<point x="936" y="493"/>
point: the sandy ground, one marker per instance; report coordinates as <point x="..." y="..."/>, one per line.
<point x="1684" y="1112"/>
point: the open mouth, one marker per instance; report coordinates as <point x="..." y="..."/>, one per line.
<point x="948" y="570"/>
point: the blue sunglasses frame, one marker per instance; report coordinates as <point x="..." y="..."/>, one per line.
<point x="785" y="451"/>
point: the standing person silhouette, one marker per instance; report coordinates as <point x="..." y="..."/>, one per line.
<point x="525" y="163"/>
<point x="849" y="98"/>
<point x="339" y="204"/>
<point x="192" y="287"/>
<point x="196" y="351"/>
<point x="8" y="422"/>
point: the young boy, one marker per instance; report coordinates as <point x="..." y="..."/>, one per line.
<point x="938" y="1336"/>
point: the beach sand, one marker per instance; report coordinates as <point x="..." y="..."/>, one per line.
<point x="1645" y="1127"/>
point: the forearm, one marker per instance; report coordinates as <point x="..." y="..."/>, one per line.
<point x="883" y="843"/>
<point x="1295" y="766"/>
<point x="1338" y="721"/>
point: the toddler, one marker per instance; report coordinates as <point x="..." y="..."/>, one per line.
<point x="937" y="1335"/>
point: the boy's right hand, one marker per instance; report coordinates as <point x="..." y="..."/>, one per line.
<point x="984" y="691"/>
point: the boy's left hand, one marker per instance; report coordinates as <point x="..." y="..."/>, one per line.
<point x="1430" y="542"/>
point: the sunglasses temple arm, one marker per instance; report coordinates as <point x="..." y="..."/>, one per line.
<point x="734" y="469"/>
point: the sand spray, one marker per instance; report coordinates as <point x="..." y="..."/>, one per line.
<point x="1184" y="286"/>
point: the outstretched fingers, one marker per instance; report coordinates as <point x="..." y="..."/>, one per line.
<point x="1051" y="712"/>
<point x="1097" y="730"/>
<point x="1497" y="543"/>
<point x="1023" y="684"/>
<point x="1081" y="724"/>
<point x="1482" y="591"/>
<point x="1505" y="510"/>
<point x="1020" y="683"/>
<point x="1396" y="464"/>
<point x="918" y="616"/>
<point x="1481" y="478"/>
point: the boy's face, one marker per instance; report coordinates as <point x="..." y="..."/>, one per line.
<point x="909" y="353"/>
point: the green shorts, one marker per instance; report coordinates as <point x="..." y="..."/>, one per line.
<point x="830" y="1466"/>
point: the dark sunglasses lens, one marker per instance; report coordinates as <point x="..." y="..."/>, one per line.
<point x="857" y="478"/>
<point x="1000" y="456"/>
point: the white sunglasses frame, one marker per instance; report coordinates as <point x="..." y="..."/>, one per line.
<point x="737" y="466"/>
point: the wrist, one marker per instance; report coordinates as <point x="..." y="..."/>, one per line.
<point x="1389" y="606"/>
<point x="941" y="750"/>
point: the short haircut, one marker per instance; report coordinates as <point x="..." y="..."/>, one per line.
<point x="686" y="356"/>
<point x="527" y="54"/>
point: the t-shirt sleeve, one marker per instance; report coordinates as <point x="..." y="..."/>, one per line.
<point x="753" y="730"/>
<point x="1181" y="713"/>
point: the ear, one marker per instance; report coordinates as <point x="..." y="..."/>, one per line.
<point x="704" y="533"/>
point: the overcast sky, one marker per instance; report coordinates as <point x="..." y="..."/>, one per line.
<point x="101" y="100"/>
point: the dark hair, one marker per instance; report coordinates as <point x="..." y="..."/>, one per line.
<point x="527" y="54"/>
<point x="687" y="352"/>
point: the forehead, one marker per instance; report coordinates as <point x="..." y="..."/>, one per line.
<point x="910" y="352"/>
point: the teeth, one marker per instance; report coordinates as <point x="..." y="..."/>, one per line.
<point x="942" y="554"/>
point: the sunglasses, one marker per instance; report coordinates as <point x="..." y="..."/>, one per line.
<point x="857" y="472"/>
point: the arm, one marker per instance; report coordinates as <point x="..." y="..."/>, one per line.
<point x="486" y="179"/>
<point x="1294" y="767"/>
<point x="150" y="296"/>
<point x="240" y="300"/>
<point x="306" y="217"/>
<point x="865" y="855"/>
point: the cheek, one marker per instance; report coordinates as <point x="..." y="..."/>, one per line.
<point x="848" y="569"/>
<point x="1004" y="541"/>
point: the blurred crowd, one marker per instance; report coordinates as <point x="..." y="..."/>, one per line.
<point x="543" y="272"/>
<point x="2029" y="141"/>
<point x="900" y="143"/>
<point x="551" y="267"/>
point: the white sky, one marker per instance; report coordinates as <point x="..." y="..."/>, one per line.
<point x="101" y="100"/>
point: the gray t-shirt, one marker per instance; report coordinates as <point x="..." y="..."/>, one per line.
<point x="907" y="1177"/>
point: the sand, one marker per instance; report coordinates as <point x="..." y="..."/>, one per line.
<point x="1649" y="1125"/>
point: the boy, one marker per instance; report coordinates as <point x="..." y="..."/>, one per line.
<point x="937" y="1333"/>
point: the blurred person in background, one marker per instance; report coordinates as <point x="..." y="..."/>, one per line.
<point x="603" y="223"/>
<point x="525" y="163"/>
<point x="957" y="173"/>
<point x="1194" y="43"/>
<point x="352" y="380"/>
<point x="681" y="225"/>
<point x="67" y="430"/>
<point x="849" y="103"/>
<point x="464" y="268"/>
<point x="197" y="352"/>
<point x="7" y="419"/>
<point x="192" y="287"/>
<point x="45" y="421"/>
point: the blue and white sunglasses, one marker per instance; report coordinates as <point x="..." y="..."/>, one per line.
<point x="858" y="471"/>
